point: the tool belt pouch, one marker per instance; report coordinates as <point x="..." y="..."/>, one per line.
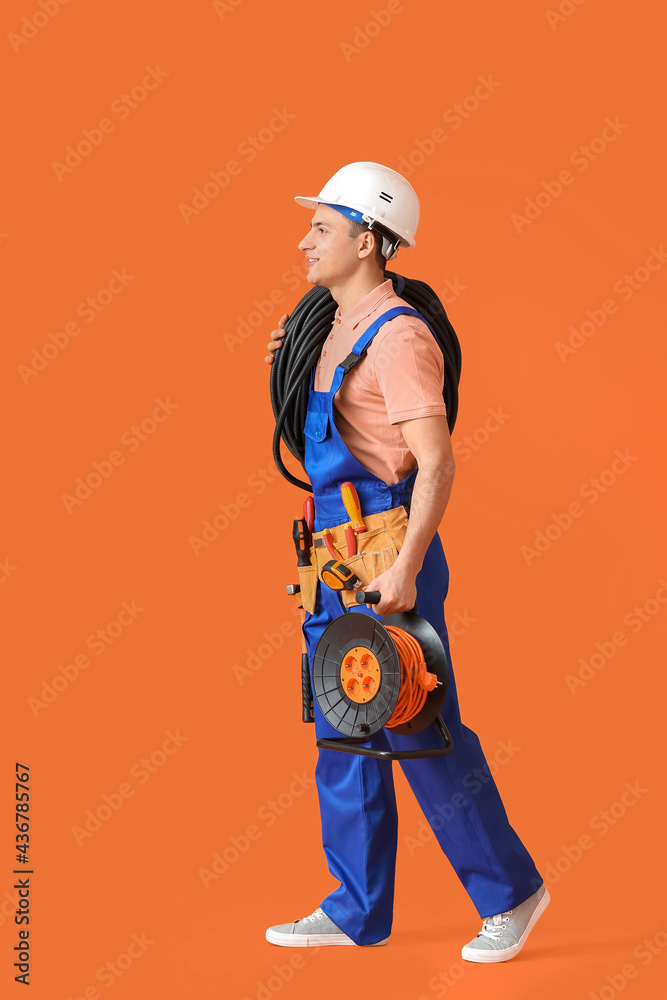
<point x="308" y="583"/>
<point x="377" y="548"/>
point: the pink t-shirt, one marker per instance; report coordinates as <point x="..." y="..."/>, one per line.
<point x="400" y="378"/>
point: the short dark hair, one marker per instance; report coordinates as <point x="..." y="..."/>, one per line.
<point x="361" y="227"/>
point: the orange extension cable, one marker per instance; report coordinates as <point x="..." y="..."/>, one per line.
<point x="416" y="680"/>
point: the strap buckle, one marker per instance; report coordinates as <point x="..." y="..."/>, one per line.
<point x="351" y="360"/>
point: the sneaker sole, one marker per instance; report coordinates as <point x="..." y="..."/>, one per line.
<point x="313" y="940"/>
<point x="487" y="955"/>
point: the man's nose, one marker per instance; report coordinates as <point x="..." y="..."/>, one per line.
<point x="306" y="243"/>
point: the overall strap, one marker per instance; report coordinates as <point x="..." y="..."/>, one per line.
<point x="361" y="346"/>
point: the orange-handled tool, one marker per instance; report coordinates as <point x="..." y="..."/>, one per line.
<point x="352" y="506"/>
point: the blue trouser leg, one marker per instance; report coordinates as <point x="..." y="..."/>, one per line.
<point x="457" y="794"/>
<point x="359" y="817"/>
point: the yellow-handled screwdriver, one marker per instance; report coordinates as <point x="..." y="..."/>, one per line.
<point x="352" y="506"/>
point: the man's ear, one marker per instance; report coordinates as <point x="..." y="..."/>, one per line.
<point x="367" y="245"/>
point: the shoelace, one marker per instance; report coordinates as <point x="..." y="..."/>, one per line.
<point x="317" y="915"/>
<point x="492" y="926"/>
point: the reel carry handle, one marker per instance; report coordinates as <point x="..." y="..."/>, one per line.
<point x="368" y="597"/>
<point x="372" y="597"/>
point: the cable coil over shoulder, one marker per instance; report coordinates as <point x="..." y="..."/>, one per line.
<point x="305" y="332"/>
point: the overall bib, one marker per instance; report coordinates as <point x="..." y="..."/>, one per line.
<point x="457" y="793"/>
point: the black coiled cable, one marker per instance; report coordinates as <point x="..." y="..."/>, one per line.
<point x="305" y="333"/>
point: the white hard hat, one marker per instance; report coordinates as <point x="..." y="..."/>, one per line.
<point x="376" y="195"/>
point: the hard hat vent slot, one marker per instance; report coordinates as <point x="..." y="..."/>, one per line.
<point x="386" y="197"/>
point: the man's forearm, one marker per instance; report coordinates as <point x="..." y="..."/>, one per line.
<point x="430" y="496"/>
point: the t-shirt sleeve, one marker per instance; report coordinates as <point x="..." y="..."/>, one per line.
<point x="409" y="370"/>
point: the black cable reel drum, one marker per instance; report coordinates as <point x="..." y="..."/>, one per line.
<point x="360" y="675"/>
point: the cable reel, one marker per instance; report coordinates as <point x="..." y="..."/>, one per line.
<point x="370" y="674"/>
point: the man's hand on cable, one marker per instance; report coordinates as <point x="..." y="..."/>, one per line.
<point x="276" y="338"/>
<point x="398" y="588"/>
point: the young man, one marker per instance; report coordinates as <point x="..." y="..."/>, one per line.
<point x="386" y="430"/>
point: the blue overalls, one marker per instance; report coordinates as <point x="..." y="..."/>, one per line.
<point x="356" y="794"/>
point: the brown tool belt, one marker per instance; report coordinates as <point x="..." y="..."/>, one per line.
<point x="377" y="550"/>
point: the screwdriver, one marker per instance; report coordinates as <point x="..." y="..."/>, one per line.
<point x="351" y="501"/>
<point x="301" y="537"/>
<point x="309" y="513"/>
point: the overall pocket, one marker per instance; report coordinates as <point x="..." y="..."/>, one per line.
<point x="316" y="426"/>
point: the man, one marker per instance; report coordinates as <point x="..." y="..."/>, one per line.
<point x="382" y="424"/>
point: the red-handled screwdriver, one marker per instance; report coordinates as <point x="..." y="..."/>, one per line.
<point x="309" y="513"/>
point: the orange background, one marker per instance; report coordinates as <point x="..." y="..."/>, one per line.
<point x="178" y="665"/>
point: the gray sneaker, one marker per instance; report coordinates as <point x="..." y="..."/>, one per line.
<point x="504" y="935"/>
<point x="310" y="932"/>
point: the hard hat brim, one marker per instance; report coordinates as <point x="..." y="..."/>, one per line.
<point x="314" y="201"/>
<point x="307" y="202"/>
